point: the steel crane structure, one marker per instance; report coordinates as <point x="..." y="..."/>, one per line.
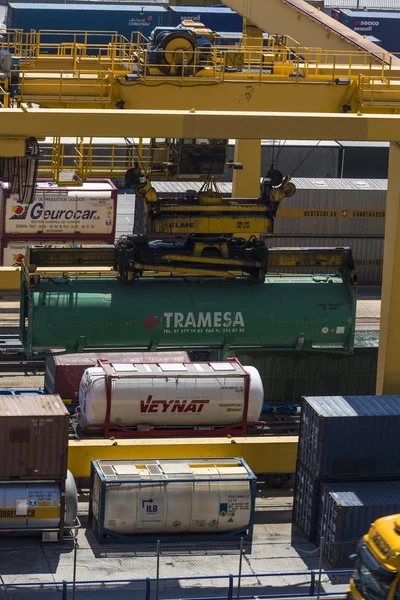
<point x="303" y="22"/>
<point x="280" y="80"/>
<point x="16" y="125"/>
<point x="231" y="95"/>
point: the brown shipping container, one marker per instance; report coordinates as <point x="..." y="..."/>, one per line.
<point x="33" y="437"/>
<point x="63" y="373"/>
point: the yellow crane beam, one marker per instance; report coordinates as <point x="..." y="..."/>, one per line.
<point x="388" y="376"/>
<point x="20" y="123"/>
<point x="334" y="93"/>
<point x="306" y="24"/>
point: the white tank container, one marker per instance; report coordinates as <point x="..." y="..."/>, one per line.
<point x="30" y="505"/>
<point x="179" y="394"/>
<point x="141" y="497"/>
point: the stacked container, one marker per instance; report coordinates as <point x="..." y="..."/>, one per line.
<point x="36" y="491"/>
<point x="343" y="440"/>
<point x="216" y="18"/>
<point x="83" y="214"/>
<point x="348" y="511"/>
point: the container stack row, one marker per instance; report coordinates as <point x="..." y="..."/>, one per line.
<point x="125" y="19"/>
<point x="286" y="376"/>
<point x="37" y="492"/>
<point x="348" y="469"/>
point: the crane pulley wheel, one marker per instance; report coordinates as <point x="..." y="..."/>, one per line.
<point x="289" y="189"/>
<point x="178" y="48"/>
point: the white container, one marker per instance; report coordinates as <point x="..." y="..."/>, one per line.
<point x="178" y="395"/>
<point x="88" y="210"/>
<point x="13" y="252"/>
<point x="187" y="496"/>
<point x="36" y="505"/>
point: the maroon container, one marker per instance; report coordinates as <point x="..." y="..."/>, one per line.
<point x="63" y="373"/>
<point x="33" y="437"/>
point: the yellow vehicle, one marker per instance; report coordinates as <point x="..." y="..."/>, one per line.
<point x="377" y="571"/>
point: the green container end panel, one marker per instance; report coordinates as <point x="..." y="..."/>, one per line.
<point x="299" y="313"/>
<point x="288" y="376"/>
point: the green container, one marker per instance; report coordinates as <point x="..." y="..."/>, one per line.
<point x="286" y="312"/>
<point x="288" y="376"/>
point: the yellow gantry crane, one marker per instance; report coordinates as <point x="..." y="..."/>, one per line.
<point x="180" y="73"/>
<point x="239" y="83"/>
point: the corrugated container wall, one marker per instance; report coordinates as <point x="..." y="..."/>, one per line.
<point x="288" y="376"/>
<point x="305" y="501"/>
<point x="387" y="5"/>
<point x="305" y="159"/>
<point x="33" y="437"/>
<point x="63" y="373"/>
<point x="334" y="207"/>
<point x="350" y="437"/>
<point x="215" y="18"/>
<point x="364" y="160"/>
<point x="347" y="511"/>
<point x="124" y="19"/>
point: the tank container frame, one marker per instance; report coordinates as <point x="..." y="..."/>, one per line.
<point x="105" y="536"/>
<point x="111" y="430"/>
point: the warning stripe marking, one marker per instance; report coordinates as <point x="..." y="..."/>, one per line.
<point x="7" y="514"/>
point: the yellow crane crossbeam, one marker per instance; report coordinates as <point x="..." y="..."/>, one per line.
<point x="17" y="124"/>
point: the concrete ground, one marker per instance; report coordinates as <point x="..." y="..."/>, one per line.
<point x="277" y="548"/>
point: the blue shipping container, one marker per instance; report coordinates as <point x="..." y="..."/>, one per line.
<point x="347" y="511"/>
<point x="217" y="19"/>
<point x="349" y="438"/>
<point x="382" y="25"/>
<point x="123" y="19"/>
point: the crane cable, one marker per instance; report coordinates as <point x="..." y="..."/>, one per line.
<point x="304" y="159"/>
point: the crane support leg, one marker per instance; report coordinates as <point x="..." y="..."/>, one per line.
<point x="246" y="182"/>
<point x="388" y="377"/>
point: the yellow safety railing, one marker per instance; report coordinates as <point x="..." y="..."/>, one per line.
<point x="76" y="66"/>
<point x="76" y="162"/>
<point x="65" y="86"/>
<point x="81" y="159"/>
<point x="378" y="91"/>
<point x="4" y="98"/>
<point x="52" y="44"/>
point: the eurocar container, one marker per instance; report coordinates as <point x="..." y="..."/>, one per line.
<point x="214" y="18"/>
<point x="346" y="511"/>
<point x="88" y="211"/>
<point x="350" y="437"/>
<point x="13" y="248"/>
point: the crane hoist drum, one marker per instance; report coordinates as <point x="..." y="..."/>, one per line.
<point x="177" y="46"/>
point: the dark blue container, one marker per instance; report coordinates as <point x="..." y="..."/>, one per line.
<point x="346" y="511"/>
<point x="22" y="392"/>
<point x="305" y="501"/>
<point x="215" y="18"/>
<point x="384" y="26"/>
<point x="350" y="438"/>
<point x="123" y="19"/>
